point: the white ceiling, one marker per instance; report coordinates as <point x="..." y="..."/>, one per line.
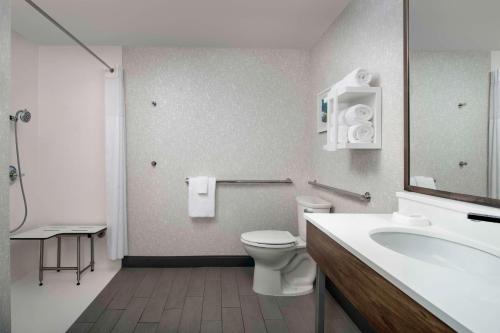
<point x="455" y="24"/>
<point x="210" y="23"/>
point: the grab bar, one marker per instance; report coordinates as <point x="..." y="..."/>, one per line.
<point x="363" y="197"/>
<point x="242" y="181"/>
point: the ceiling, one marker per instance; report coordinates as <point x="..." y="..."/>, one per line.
<point x="455" y="25"/>
<point x="192" y="23"/>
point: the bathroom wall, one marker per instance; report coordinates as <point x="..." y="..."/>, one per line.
<point x="62" y="147"/>
<point x="368" y="34"/>
<point x="24" y="95"/>
<point x="442" y="135"/>
<point x="4" y="160"/>
<point x="495" y="60"/>
<point x="230" y="113"/>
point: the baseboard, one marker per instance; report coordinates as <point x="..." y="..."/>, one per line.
<point x="187" y="261"/>
<point x="351" y="311"/>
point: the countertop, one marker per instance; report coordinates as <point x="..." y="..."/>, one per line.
<point x="465" y="302"/>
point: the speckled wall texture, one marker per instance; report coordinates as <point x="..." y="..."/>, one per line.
<point x="442" y="134"/>
<point x="369" y="34"/>
<point x="230" y="113"/>
<point x="4" y="160"/>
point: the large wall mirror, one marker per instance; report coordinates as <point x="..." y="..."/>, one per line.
<point x="452" y="99"/>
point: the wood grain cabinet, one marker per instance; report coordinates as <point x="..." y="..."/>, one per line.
<point x="384" y="306"/>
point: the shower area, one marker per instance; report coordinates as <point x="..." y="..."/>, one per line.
<point x="57" y="163"/>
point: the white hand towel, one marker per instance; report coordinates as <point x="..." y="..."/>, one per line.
<point x="423" y="181"/>
<point x="202" y="204"/>
<point x="357" y="114"/>
<point x="361" y="133"/>
<point x="200" y="184"/>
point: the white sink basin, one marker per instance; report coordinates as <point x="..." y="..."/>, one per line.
<point x="437" y="250"/>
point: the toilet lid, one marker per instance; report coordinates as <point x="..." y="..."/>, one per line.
<point x="270" y="237"/>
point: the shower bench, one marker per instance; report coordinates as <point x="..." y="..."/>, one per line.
<point x="46" y="232"/>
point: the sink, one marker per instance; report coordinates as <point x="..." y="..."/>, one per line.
<point x="436" y="250"/>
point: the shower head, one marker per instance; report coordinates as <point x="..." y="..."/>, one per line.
<point x="24" y="115"/>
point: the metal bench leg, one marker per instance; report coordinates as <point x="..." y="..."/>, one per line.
<point x="92" y="262"/>
<point x="58" y="254"/>
<point x="320" y="301"/>
<point x="40" y="266"/>
<point x="77" y="260"/>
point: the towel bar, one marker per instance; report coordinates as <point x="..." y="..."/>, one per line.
<point x="242" y="181"/>
<point x="363" y="197"/>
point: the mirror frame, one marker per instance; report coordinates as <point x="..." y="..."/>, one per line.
<point x="437" y="193"/>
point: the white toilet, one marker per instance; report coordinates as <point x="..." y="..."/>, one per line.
<point x="282" y="265"/>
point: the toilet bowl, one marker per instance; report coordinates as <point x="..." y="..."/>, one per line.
<point x="282" y="265"/>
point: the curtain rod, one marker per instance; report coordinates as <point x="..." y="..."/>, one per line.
<point x="63" y="29"/>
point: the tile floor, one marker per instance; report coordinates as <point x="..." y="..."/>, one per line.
<point x="200" y="300"/>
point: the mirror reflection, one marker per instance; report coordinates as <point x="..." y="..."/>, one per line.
<point x="454" y="63"/>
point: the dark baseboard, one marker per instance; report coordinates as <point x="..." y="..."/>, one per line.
<point x="188" y="261"/>
<point x="351" y="311"/>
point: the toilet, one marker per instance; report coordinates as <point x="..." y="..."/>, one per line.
<point x="282" y="265"/>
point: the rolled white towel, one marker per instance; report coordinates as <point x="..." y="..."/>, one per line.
<point x="357" y="114"/>
<point x="359" y="77"/>
<point x="361" y="133"/>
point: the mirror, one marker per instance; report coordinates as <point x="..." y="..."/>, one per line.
<point x="453" y="99"/>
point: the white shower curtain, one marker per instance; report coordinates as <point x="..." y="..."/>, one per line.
<point x="494" y="137"/>
<point x="116" y="189"/>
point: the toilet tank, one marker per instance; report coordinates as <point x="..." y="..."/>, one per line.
<point x="313" y="205"/>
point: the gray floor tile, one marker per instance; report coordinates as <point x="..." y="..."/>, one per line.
<point x="269" y="307"/>
<point x="179" y="289"/>
<point x="252" y="316"/>
<point x="232" y="322"/>
<point x="107" y="321"/>
<point x="130" y="317"/>
<point x="197" y="282"/>
<point x="212" y="300"/>
<point x="276" y="326"/>
<point x="146" y="328"/>
<point x="213" y="326"/>
<point x="169" y="322"/>
<point x="229" y="288"/>
<point x="191" y="315"/>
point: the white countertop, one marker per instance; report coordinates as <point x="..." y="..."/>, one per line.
<point x="467" y="303"/>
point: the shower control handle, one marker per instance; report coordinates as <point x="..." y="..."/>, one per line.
<point x="12" y="173"/>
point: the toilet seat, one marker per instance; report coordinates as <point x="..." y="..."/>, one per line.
<point x="276" y="239"/>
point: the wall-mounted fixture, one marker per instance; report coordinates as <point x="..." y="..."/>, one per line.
<point x="462" y="164"/>
<point x="342" y="99"/>
<point x="154" y="104"/>
<point x="461" y="105"/>
<point x="154" y="164"/>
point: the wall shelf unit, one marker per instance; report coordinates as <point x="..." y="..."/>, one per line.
<point x="341" y="99"/>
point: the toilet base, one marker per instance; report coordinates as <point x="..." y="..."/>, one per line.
<point x="272" y="283"/>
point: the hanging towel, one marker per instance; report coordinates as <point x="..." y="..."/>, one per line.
<point x="200" y="184"/>
<point x="201" y="204"/>
<point x="423" y="181"/>
<point x="361" y="133"/>
<point x="357" y="114"/>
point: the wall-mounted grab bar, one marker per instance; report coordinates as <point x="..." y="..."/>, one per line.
<point x="363" y="197"/>
<point x="241" y="181"/>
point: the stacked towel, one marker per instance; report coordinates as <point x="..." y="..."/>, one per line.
<point x="355" y="124"/>
<point x="361" y="133"/>
<point x="201" y="196"/>
<point x="359" y="77"/>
